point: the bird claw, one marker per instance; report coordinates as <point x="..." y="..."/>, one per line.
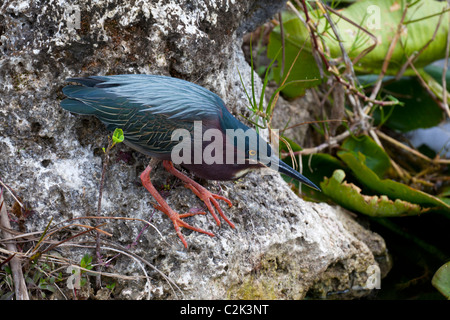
<point x="177" y="221"/>
<point x="162" y="206"/>
<point x="209" y="199"/>
<point x="205" y="195"/>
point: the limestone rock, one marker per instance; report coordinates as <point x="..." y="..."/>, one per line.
<point x="282" y="247"/>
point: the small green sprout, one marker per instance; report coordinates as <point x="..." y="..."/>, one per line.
<point x="118" y="136"/>
<point x="86" y="262"/>
<point x="111" y="286"/>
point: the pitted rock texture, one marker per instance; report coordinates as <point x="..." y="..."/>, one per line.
<point x="282" y="247"/>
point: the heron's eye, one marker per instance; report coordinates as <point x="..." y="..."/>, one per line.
<point x="252" y="152"/>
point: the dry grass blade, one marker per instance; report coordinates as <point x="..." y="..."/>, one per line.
<point x="138" y="259"/>
<point x="11" y="192"/>
<point x="44" y="238"/>
<point x="15" y="262"/>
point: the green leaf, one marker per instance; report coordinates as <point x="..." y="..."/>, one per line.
<point x="436" y="72"/>
<point x="419" y="110"/>
<point x="441" y="280"/>
<point x="349" y="196"/>
<point x="86" y="262"/>
<point x="111" y="286"/>
<point x="375" y="157"/>
<point x="118" y="136"/>
<point x="390" y="188"/>
<point x="381" y="18"/>
<point x="305" y="68"/>
<point x="315" y="167"/>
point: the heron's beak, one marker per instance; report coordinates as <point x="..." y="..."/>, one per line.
<point x="290" y="172"/>
<point x="287" y="170"/>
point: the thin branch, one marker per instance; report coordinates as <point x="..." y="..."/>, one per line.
<point x="430" y="92"/>
<point x="413" y="151"/>
<point x="401" y="173"/>
<point x="311" y="122"/>
<point x="348" y="63"/>
<point x="371" y="35"/>
<point x="171" y="283"/>
<point x="427" y="17"/>
<point x="387" y="59"/>
<point x="333" y="141"/>
<point x="351" y="87"/>
<point x="416" y="54"/>
<point x="11" y="192"/>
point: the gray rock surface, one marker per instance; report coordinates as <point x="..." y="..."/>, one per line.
<point x="282" y="247"/>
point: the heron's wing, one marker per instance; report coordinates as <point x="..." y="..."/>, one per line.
<point x="147" y="108"/>
<point x="174" y="98"/>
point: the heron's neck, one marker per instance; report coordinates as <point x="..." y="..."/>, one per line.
<point x="228" y="121"/>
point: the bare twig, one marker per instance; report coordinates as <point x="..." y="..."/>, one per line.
<point x="387" y="59"/>
<point x="416" y="54"/>
<point x="413" y="151"/>
<point x="371" y="35"/>
<point x="311" y="122"/>
<point x="332" y="142"/>
<point x="401" y="173"/>
<point x="11" y="192"/>
<point x="349" y="67"/>
<point x="430" y="92"/>
<point x="98" y="283"/>
<point x="116" y="248"/>
<point x="332" y="69"/>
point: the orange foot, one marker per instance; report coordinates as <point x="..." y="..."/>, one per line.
<point x="205" y="195"/>
<point x="164" y="207"/>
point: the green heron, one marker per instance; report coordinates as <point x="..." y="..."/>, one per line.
<point x="150" y="109"/>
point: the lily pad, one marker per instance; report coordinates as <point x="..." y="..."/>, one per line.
<point x="349" y="196"/>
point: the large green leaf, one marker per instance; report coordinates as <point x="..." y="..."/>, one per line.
<point x="436" y="71"/>
<point x="381" y="18"/>
<point x="349" y="196"/>
<point x="419" y="110"/>
<point x="303" y="69"/>
<point x="393" y="189"/>
<point x="376" y="158"/>
<point x="441" y="280"/>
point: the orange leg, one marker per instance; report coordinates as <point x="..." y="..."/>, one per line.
<point x="206" y="196"/>
<point x="164" y="207"/>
